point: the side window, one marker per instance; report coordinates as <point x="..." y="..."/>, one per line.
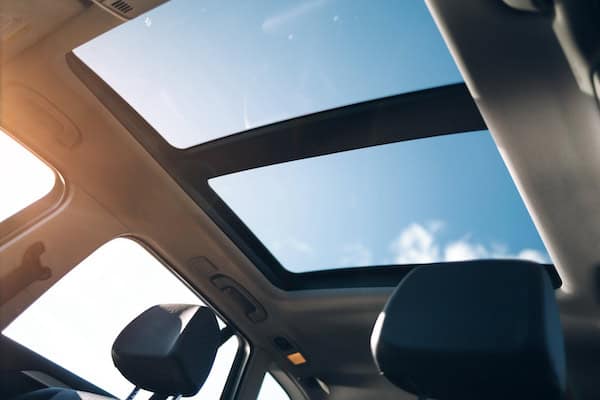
<point x="76" y="321"/>
<point x="24" y="179"/>
<point x="270" y="389"/>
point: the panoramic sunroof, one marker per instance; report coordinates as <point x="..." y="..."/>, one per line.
<point x="446" y="198"/>
<point x="201" y="70"/>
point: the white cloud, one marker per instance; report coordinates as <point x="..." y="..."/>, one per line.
<point x="275" y="22"/>
<point x="418" y="244"/>
<point x="462" y="250"/>
<point x="533" y="255"/>
<point x="415" y="245"/>
<point x="356" y="255"/>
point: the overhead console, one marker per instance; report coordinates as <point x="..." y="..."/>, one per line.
<point x="128" y="9"/>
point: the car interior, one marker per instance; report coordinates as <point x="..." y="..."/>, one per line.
<point x="299" y="199"/>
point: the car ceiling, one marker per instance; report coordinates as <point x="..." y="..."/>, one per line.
<point x="545" y="127"/>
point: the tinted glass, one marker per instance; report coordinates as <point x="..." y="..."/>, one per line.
<point x="445" y="198"/>
<point x="200" y="70"/>
<point x="76" y="321"/>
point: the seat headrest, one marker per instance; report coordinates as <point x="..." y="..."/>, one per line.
<point x="168" y="349"/>
<point x="473" y="331"/>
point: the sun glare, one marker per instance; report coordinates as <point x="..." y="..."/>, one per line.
<point x="24" y="179"/>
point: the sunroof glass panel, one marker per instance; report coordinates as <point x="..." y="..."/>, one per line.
<point x="200" y="70"/>
<point x="447" y="198"/>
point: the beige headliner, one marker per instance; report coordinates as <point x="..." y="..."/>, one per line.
<point x="116" y="188"/>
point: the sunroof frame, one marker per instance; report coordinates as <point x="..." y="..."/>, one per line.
<point x="426" y="113"/>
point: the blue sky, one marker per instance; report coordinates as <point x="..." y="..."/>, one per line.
<point x="446" y="198"/>
<point x="199" y="70"/>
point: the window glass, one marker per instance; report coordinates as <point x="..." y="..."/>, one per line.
<point x="76" y="321"/>
<point x="271" y="389"/>
<point x="200" y="70"/>
<point x="24" y="179"/>
<point x="445" y="198"/>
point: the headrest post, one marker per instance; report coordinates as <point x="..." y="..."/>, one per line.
<point x="226" y="334"/>
<point x="133" y="393"/>
<point x="158" y="396"/>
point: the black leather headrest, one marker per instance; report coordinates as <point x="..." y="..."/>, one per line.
<point x="169" y="349"/>
<point x="473" y="331"/>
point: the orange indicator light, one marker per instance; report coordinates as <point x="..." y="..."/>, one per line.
<point x="296" y="358"/>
